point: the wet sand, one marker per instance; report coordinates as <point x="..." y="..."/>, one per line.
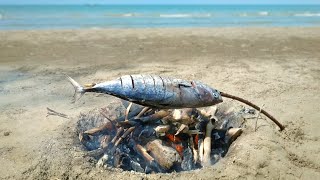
<point x="278" y="67"/>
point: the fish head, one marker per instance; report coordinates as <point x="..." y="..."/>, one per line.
<point x="208" y="95"/>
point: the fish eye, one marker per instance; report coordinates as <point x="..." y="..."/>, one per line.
<point x="215" y="94"/>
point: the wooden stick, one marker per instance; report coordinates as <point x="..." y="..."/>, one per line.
<point x="207" y="145"/>
<point x="200" y="148"/>
<point x="96" y="131"/>
<point x="145" y="109"/>
<point x="146" y="156"/>
<point x="124" y="135"/>
<point x="115" y="138"/>
<point x="254" y="106"/>
<point x="127" y="112"/>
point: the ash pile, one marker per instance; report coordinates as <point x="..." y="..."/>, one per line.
<point x="136" y="138"/>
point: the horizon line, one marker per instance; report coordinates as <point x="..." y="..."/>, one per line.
<point x="94" y="4"/>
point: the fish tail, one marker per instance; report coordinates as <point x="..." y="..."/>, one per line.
<point x="78" y="89"/>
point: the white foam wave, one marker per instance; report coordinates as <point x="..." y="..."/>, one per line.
<point x="1" y="16"/>
<point x="263" y="13"/>
<point x="175" y="15"/>
<point x="185" y="15"/>
<point x="243" y="14"/>
<point x="122" y="15"/>
<point x="127" y="15"/>
<point x="308" y="15"/>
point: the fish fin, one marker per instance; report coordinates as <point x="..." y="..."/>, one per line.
<point x="184" y="84"/>
<point x="78" y="89"/>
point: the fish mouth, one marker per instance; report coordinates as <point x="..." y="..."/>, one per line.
<point x="219" y="100"/>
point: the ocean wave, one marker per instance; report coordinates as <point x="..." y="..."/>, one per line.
<point x="308" y="15"/>
<point x="147" y="15"/>
<point x="253" y="14"/>
<point x="1" y="16"/>
<point x="175" y="15"/>
<point x="123" y="15"/>
<point x="185" y="15"/>
<point x="243" y="14"/>
<point x="128" y="15"/>
<point x="263" y="13"/>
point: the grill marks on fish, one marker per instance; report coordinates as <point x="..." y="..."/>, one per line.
<point x="168" y="92"/>
<point x="121" y="82"/>
<point x="132" y="81"/>
<point x="159" y="89"/>
<point x="154" y="83"/>
<point x="151" y="90"/>
<point x="164" y="88"/>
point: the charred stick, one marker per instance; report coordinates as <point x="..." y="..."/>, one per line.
<point x="135" y="109"/>
<point x="143" y="152"/>
<point x="126" y="124"/>
<point x="119" y="132"/>
<point x="158" y="115"/>
<point x="124" y="135"/>
<point x="96" y="131"/>
<point x="146" y="156"/>
<point x="254" y="106"/>
<point x="144" y="110"/>
<point x="127" y="112"/>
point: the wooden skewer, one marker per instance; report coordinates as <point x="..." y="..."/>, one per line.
<point x="254" y="106"/>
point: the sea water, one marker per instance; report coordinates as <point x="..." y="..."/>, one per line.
<point x="149" y="16"/>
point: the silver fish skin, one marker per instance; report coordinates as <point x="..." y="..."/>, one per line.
<point x="157" y="91"/>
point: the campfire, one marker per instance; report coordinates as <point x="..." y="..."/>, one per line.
<point x="160" y="141"/>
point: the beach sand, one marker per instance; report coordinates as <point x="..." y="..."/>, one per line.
<point x="278" y="67"/>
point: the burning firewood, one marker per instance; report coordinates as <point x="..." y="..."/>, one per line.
<point x="207" y="140"/>
<point x="150" y="140"/>
<point x="165" y="155"/>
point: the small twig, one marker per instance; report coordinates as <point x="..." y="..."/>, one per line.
<point x="255" y="127"/>
<point x="124" y="135"/>
<point x="55" y="113"/>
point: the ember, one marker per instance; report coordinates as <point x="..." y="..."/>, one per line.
<point x="151" y="140"/>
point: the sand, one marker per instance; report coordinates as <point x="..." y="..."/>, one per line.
<point x="278" y="67"/>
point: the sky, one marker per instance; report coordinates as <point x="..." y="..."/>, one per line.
<point x="159" y="1"/>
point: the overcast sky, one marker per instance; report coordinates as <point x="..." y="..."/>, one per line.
<point x="160" y="2"/>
